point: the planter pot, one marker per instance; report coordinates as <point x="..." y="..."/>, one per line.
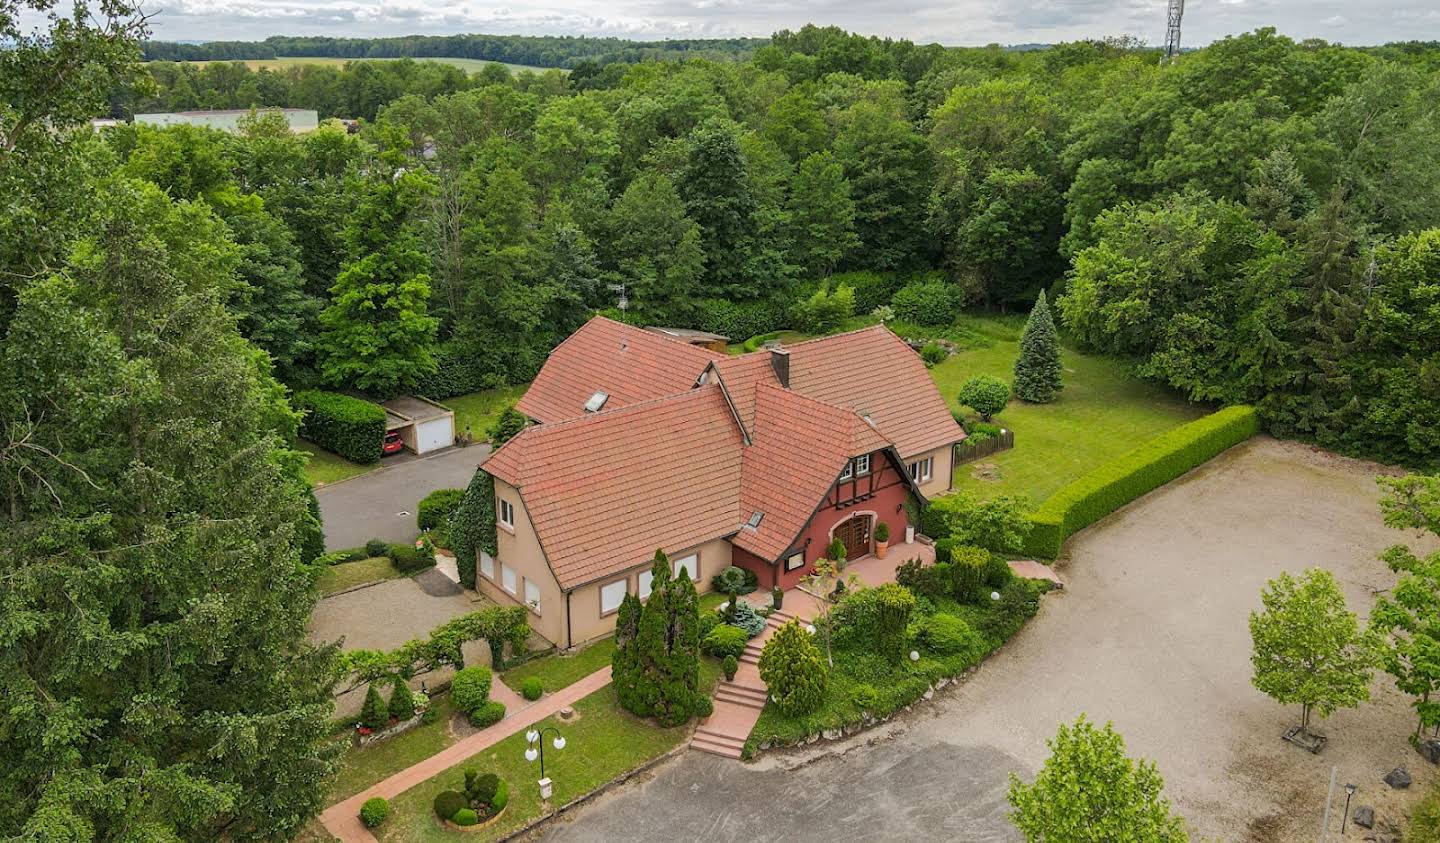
<point x="880" y="549"/>
<point x="909" y="533"/>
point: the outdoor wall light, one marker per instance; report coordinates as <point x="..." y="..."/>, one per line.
<point x="914" y="655"/>
<point x="810" y="628"/>
<point x="994" y="595"/>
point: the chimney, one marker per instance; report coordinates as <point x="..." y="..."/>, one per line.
<point x="780" y="362"/>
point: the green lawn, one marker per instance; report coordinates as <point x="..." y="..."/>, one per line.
<point x="1103" y="412"/>
<point x="361" y="767"/>
<point x="558" y="671"/>
<point x="325" y="467"/>
<point x="350" y="574"/>
<point x="478" y="410"/>
<point x="602" y="743"/>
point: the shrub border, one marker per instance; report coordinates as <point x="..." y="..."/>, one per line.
<point x="1096" y="494"/>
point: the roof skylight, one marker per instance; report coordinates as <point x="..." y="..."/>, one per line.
<point x="597" y="401"/>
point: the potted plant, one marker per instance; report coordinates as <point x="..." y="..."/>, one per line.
<point x="777" y="598"/>
<point x="882" y="539"/>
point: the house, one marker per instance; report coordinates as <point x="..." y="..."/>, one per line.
<point x="422" y="424"/>
<point x="644" y="441"/>
<point x="704" y="339"/>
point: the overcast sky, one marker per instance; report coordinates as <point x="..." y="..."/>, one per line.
<point x="951" y="22"/>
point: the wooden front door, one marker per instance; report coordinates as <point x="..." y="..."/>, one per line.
<point x="855" y="533"/>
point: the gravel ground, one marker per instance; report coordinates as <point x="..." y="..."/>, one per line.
<point x="1149" y="633"/>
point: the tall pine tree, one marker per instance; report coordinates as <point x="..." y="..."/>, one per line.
<point x="656" y="666"/>
<point x="1037" y="369"/>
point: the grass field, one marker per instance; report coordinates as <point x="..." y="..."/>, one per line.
<point x="478" y="410"/>
<point x="1103" y="412"/>
<point x="350" y="574"/>
<point x="363" y="766"/>
<point x="325" y="467"/>
<point x="603" y="742"/>
<point x="469" y="65"/>
<point x="557" y="671"/>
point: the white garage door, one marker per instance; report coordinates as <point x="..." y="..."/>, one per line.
<point x="434" y="433"/>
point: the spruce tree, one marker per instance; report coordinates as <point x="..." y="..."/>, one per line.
<point x="1037" y="370"/>
<point x="625" y="673"/>
<point x="402" y="702"/>
<point x="681" y="670"/>
<point x="374" y="714"/>
<point x="656" y="666"/>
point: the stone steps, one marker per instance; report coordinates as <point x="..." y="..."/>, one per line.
<point x="745" y="695"/>
<point x="716" y="743"/>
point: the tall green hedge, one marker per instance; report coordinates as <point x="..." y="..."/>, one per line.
<point x="1092" y="496"/>
<point x="351" y="427"/>
<point x="473" y="525"/>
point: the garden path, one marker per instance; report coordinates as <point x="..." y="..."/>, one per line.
<point x="738" y="702"/>
<point x="343" y="818"/>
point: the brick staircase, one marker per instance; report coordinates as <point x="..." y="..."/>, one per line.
<point x="738" y="702"/>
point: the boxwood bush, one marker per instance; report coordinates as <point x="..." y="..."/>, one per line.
<point x="470" y="688"/>
<point x="488" y="714"/>
<point x="448" y="803"/>
<point x="351" y="427"/>
<point x="532" y="688"/>
<point x="725" y="640"/>
<point x="375" y="811"/>
<point x="1098" y="493"/>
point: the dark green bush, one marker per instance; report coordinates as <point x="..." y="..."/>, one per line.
<point x="708" y="621"/>
<point x="704" y="706"/>
<point x="481" y="788"/>
<point x="488" y="714"/>
<point x="532" y="688"/>
<point x="465" y="817"/>
<point x="734" y="579"/>
<point x="948" y="635"/>
<point x="738" y="320"/>
<point x="1100" y="492"/>
<point x="1019" y="601"/>
<point x="997" y="571"/>
<point x="351" y="427"/>
<point x="376" y="547"/>
<point x="470" y="688"/>
<point x="730" y="666"/>
<point x="724" y="640"/>
<point x="402" y="701"/>
<point x="448" y="803"/>
<point x="436" y="508"/>
<point x="374" y="714"/>
<point x="501" y="798"/>
<point x="375" y="811"/>
<point x="929" y="301"/>
<point x="408" y="559"/>
<point x="507" y="425"/>
<point x="872" y="289"/>
<point x="985" y="394"/>
<point x="933" y="353"/>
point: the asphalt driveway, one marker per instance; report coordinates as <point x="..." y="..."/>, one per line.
<point x="382" y="503"/>
<point x="1150" y="633"/>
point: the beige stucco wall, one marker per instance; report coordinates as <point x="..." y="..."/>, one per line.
<point x="944" y="458"/>
<point x="587" y="622"/>
<point x="520" y="549"/>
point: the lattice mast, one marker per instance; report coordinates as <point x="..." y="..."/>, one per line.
<point x="1172" y="29"/>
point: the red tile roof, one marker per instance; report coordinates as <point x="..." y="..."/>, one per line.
<point x="630" y="364"/>
<point x="799" y="447"/>
<point x="871" y="371"/>
<point x="605" y="490"/>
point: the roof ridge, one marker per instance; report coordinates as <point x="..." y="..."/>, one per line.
<point x="620" y="411"/>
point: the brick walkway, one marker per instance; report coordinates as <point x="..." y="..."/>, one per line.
<point x="738" y="702"/>
<point x="343" y="818"/>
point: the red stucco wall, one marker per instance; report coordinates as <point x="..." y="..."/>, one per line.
<point x="886" y="505"/>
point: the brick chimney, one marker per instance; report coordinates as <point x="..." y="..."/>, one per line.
<point x="780" y="362"/>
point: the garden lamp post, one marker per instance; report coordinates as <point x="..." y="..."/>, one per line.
<point x="1345" y="817"/>
<point x="536" y="749"/>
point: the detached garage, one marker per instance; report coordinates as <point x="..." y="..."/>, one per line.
<point x="423" y="425"/>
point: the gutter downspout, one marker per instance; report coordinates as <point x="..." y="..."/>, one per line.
<point x="569" y="639"/>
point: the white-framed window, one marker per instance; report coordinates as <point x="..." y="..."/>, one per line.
<point x="689" y="564"/>
<point x="508" y="579"/>
<point x="507" y="514"/>
<point x="487" y="565"/>
<point x="611" y="594"/>
<point x="922" y="470"/>
<point x="646" y="578"/>
<point x="796" y="561"/>
<point x="862" y="465"/>
<point x="532" y="596"/>
<point x="849" y="470"/>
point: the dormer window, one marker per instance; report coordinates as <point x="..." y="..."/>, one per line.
<point x="597" y="401"/>
<point x="858" y="467"/>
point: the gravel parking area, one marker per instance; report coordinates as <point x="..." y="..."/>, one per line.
<point x="1150" y="633"/>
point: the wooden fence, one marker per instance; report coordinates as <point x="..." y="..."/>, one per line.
<point x="968" y="451"/>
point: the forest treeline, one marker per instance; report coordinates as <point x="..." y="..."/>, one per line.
<point x="1252" y="222"/>
<point x="536" y="50"/>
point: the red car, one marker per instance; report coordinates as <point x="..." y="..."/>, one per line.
<point x="393" y="444"/>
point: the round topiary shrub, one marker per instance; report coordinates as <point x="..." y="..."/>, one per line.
<point x="985" y="394"/>
<point x="376" y="547"/>
<point x="488" y="714"/>
<point x="470" y="689"/>
<point x="436" y="508"/>
<point x="948" y="635"/>
<point x="725" y="641"/>
<point x="704" y="707"/>
<point x="448" y="803"/>
<point x="481" y="788"/>
<point x="465" y="817"/>
<point x="375" y="811"/>
<point x="532" y="688"/>
<point x="730" y="666"/>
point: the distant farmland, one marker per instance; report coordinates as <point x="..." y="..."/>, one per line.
<point x="469" y="65"/>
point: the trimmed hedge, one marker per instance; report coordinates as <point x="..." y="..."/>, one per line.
<point x="1098" y="493"/>
<point x="436" y="508"/>
<point x="738" y="320"/>
<point x="351" y="427"/>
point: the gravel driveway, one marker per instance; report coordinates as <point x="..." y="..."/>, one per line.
<point x="370" y="505"/>
<point x="1150" y="633"/>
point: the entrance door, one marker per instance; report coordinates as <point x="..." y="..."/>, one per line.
<point x="855" y="533"/>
